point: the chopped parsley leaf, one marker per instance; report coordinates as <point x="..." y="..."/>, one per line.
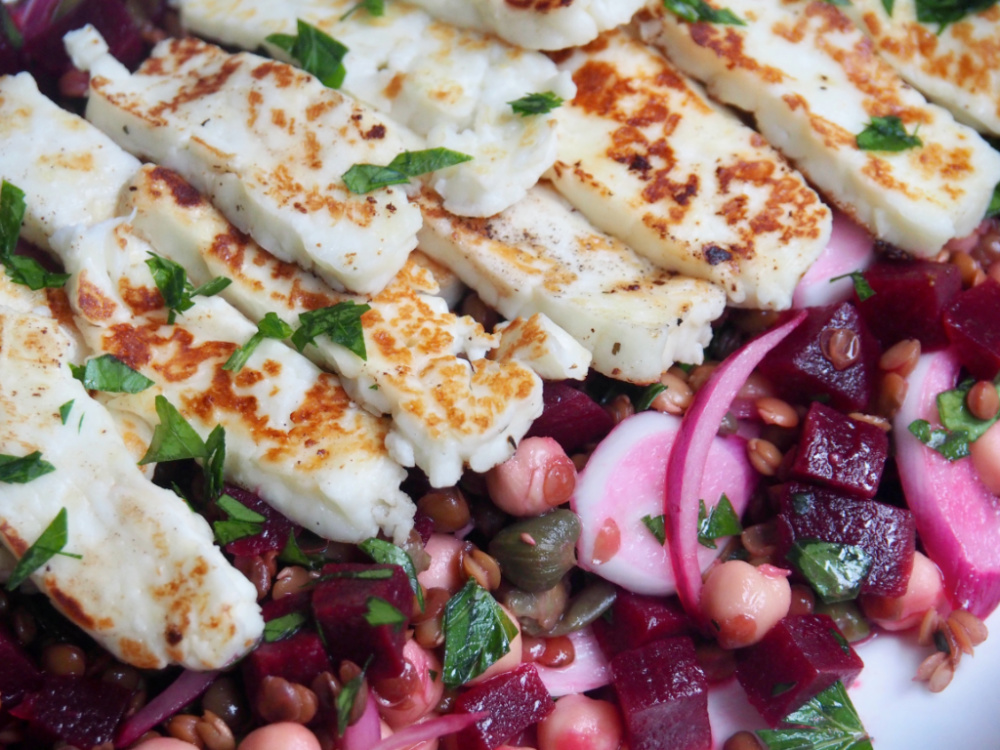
<point x="694" y="11"/>
<point x="886" y="134"/>
<point x="372" y="7"/>
<point x="50" y="543"/>
<point x="316" y="52"/>
<point x="109" y="374"/>
<point x="364" y="178"/>
<point x="536" y="104"/>
<point x="270" y="327"/>
<point x="861" y="286"/>
<point x="340" y="322"/>
<point x="23" y="469"/>
<point x="177" y="292"/>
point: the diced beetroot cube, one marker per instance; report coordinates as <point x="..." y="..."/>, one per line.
<point x="298" y="658"/>
<point x="887" y="533"/>
<point x="301" y="602"/>
<point x="515" y="700"/>
<point x="636" y="620"/>
<point x="18" y="674"/>
<point x="801" y="369"/>
<point x="570" y="417"/>
<point x="840" y="452"/>
<point x="663" y="695"/>
<point x="83" y="711"/>
<point x="799" y="658"/>
<point x="972" y="322"/>
<point x="273" y="535"/>
<point x="340" y="604"/>
<point x="909" y="301"/>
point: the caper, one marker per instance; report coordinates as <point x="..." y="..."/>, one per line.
<point x="848" y="617"/>
<point x="534" y="554"/>
<point x="584" y="608"/>
<point x="537" y="611"/>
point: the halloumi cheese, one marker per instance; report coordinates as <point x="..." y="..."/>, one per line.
<point x="543" y="346"/>
<point x="269" y="144"/>
<point x="73" y="171"/>
<point x="542" y="256"/>
<point x="150" y="587"/>
<point x="537" y="24"/>
<point x="292" y="433"/>
<point x="648" y="158"/>
<point x="814" y="82"/>
<point x="450" y="85"/>
<point x="425" y="366"/>
<point x="957" y="67"/>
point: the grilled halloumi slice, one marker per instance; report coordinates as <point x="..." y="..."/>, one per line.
<point x="450" y="85"/>
<point x="648" y="158"/>
<point x="150" y="587"/>
<point x="543" y="346"/>
<point x="292" y="432"/>
<point x="957" y="67"/>
<point x="814" y="82"/>
<point x="73" y="170"/>
<point x="537" y="24"/>
<point x="542" y="256"/>
<point x="425" y="366"/>
<point x="269" y="144"/>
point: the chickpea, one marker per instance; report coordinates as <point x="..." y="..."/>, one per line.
<point x="286" y="735"/>
<point x="538" y="477"/>
<point x="427" y="693"/>
<point x="986" y="458"/>
<point x="924" y="591"/>
<point x="744" y="601"/>
<point x="581" y="723"/>
<point x="445" y="552"/>
<point x="509" y="660"/>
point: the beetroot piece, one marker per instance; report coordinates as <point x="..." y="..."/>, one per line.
<point x="298" y="658"/>
<point x="638" y="620"/>
<point x="18" y="674"/>
<point x="663" y="695"/>
<point x="83" y="711"/>
<point x="274" y="534"/>
<point x="972" y="322"/>
<point x="800" y="369"/>
<point x="515" y="700"/>
<point x="909" y="301"/>
<point x="840" y="452"/>
<point x="340" y="603"/>
<point x="799" y="658"/>
<point x="888" y="534"/>
<point x="570" y="417"/>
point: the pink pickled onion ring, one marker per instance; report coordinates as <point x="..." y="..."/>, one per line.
<point x="690" y="453"/>
<point x="429" y="730"/>
<point x="366" y="732"/>
<point x="182" y="691"/>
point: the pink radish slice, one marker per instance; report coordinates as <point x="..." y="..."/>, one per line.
<point x="625" y="479"/>
<point x="692" y="452"/>
<point x="588" y="671"/>
<point x="431" y="729"/>
<point x="184" y="690"/>
<point x="850" y="248"/>
<point x="957" y="518"/>
<point x="367" y="731"/>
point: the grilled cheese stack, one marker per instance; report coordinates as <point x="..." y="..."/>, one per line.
<point x="648" y="158"/>
<point x="425" y="366"/>
<point x="814" y="83"/>
<point x="450" y="85"/>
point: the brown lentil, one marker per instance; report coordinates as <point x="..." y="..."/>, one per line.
<point x="291" y="580"/>
<point x="803" y="600"/>
<point x="764" y="456"/>
<point x="942" y="677"/>
<point x="982" y="400"/>
<point x="718" y="663"/>
<point x="841" y="346"/>
<point x="479" y="311"/>
<point x="257" y="572"/>
<point x="776" y="412"/>
<point x="214" y="732"/>
<point x="435" y="600"/>
<point x="729" y="425"/>
<point x="679" y="372"/>
<point x="183" y="727"/>
<point x="393" y="690"/>
<point x="891" y="394"/>
<point x="973" y="626"/>
<point x="979" y="277"/>
<point x="482" y="567"/>
<point x="281" y="700"/>
<point x="620" y="408"/>
<point x="901" y="357"/>
<point x="447" y="508"/>
<point x="676" y="398"/>
<point x="64" y="659"/>
<point x="873" y="419"/>
<point x="559" y="652"/>
<point x="967" y="266"/>
<point x="532" y="648"/>
<point x="429" y="633"/>
<point x="25" y="627"/>
<point x="347" y="672"/>
<point x="742" y="740"/>
<point x="700" y="375"/>
<point x="224" y="699"/>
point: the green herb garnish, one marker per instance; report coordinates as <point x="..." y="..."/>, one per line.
<point x="888" y="5"/>
<point x="109" y="374"/>
<point x="657" y="526"/>
<point x="346" y="698"/>
<point x="292" y="554"/>
<point x="827" y="722"/>
<point x="645" y="399"/>
<point x="536" y="104"/>
<point x="886" y="134"/>
<point x="951" y="445"/>
<point x="215" y="460"/>
<point x="364" y="178"/>
<point x="861" y="286"/>
<point x="173" y="438"/>
<point x="20" y="268"/>
<point x="476" y="634"/>
<point x="65" y="409"/>
<point x="47" y="546"/>
<point x="270" y="327"/>
<point x="695" y="11"/>
<point x="953" y="411"/>
<point x="381" y="612"/>
<point x="372" y="7"/>
<point x="719" y="522"/>
<point x="835" y="571"/>
<point x="177" y="292"/>
<point x="945" y="12"/>
<point x="282" y="627"/>
<point x="993" y="209"/>
<point x="314" y="51"/>
<point x="341" y="323"/>
<point x="240" y="522"/>
<point x="23" y="469"/>
<point x="386" y="553"/>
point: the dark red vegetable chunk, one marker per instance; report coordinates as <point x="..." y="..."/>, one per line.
<point x="973" y="325"/>
<point x="18" y="674"/>
<point x="515" y="701"/>
<point x="663" y="695"/>
<point x="298" y="658"/>
<point x="340" y="604"/>
<point x="637" y="620"/>
<point x="83" y="711"/>
<point x="799" y="658"/>
<point x="830" y="355"/>
<point x="888" y="534"/>
<point x="570" y="417"/>
<point x="909" y="301"/>
<point x="274" y="531"/>
<point x="839" y="452"/>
